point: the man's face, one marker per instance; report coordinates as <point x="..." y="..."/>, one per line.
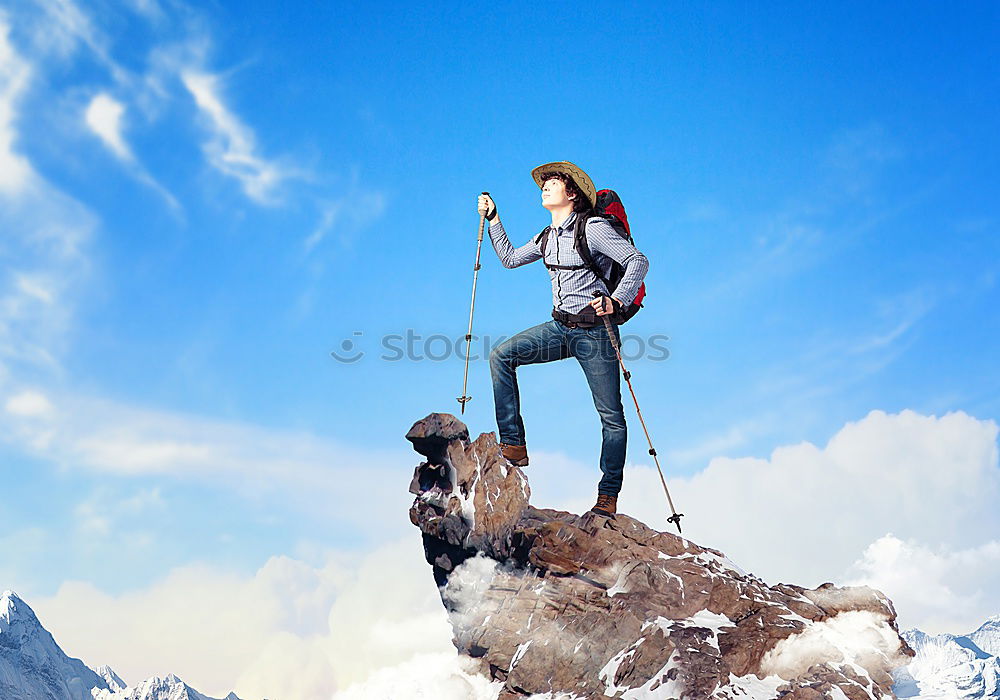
<point x="554" y="194"/>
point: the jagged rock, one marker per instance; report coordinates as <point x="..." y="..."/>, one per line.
<point x="552" y="602"/>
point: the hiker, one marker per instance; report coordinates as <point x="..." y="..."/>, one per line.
<point x="576" y="329"/>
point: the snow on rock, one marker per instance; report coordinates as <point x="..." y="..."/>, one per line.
<point x="950" y="666"/>
<point x="557" y="605"/>
<point x="987" y="637"/>
<point x="168" y="687"/>
<point x="111" y="678"/>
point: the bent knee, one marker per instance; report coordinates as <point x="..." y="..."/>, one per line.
<point x="500" y="355"/>
<point x="613" y="421"/>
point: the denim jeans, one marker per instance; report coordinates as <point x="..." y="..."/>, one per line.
<point x="592" y="348"/>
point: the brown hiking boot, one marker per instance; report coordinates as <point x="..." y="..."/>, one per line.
<point x="517" y="455"/>
<point x="606" y="505"/>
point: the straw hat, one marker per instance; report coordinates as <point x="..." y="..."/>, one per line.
<point x="581" y="178"/>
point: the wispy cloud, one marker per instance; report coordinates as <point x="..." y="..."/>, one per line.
<point x="149" y="8"/>
<point x="899" y="313"/>
<point x="64" y="27"/>
<point x="127" y="441"/>
<point x="44" y="233"/>
<point x="717" y="443"/>
<point x="15" y="171"/>
<point x="232" y="148"/>
<point x="348" y="214"/>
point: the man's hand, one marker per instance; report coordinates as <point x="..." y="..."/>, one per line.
<point x="487" y="207"/>
<point x="605" y="305"/>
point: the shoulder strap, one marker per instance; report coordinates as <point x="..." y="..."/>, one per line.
<point x="542" y="240"/>
<point x="583" y="249"/>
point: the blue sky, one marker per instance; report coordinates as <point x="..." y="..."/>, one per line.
<point x="199" y="204"/>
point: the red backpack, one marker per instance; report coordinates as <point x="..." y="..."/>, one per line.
<point x="609" y="207"/>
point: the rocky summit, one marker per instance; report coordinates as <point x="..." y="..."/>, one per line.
<point x="584" y="606"/>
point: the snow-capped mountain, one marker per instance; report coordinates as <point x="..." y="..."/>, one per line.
<point x="166" y="688"/>
<point x="111" y="678"/>
<point x="31" y="663"/>
<point x="952" y="666"/>
<point x="33" y="667"/>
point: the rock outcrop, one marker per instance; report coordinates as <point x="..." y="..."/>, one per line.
<point x="591" y="607"/>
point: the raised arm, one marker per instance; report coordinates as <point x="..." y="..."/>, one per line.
<point x="509" y="255"/>
<point x="604" y="239"/>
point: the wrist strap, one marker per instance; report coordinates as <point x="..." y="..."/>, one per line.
<point x="490" y="215"/>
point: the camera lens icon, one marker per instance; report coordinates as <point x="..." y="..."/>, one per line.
<point x="348" y="352"/>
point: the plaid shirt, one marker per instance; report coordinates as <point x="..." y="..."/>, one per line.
<point x="572" y="290"/>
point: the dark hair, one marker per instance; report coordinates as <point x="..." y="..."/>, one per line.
<point x="580" y="201"/>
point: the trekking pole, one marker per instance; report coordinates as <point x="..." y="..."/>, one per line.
<point x="676" y="517"/>
<point x="472" y="308"/>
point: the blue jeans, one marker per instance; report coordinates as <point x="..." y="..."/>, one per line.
<point x="592" y="348"/>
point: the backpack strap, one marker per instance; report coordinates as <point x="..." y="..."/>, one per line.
<point x="583" y="249"/>
<point x="542" y="241"/>
<point x="581" y="246"/>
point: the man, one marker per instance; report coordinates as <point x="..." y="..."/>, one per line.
<point x="576" y="329"/>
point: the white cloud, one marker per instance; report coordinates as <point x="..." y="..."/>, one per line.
<point x="291" y="630"/>
<point x="946" y="590"/>
<point x="104" y="117"/>
<point x="232" y="148"/>
<point x="28" y="404"/>
<point x="806" y="514"/>
<point x="443" y="676"/>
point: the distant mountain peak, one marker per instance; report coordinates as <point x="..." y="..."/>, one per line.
<point x="7" y="600"/>
<point x="952" y="666"/>
<point x="33" y="666"/>
<point x="15" y="612"/>
<point x="114" y="681"/>
<point x="991" y="622"/>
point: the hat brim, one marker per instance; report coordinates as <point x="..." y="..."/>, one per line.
<point x="581" y="178"/>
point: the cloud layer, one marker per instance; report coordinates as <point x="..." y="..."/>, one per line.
<point x="289" y="630"/>
<point x="804" y="515"/>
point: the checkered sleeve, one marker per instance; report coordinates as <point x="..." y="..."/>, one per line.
<point x="602" y="238"/>
<point x="508" y="254"/>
